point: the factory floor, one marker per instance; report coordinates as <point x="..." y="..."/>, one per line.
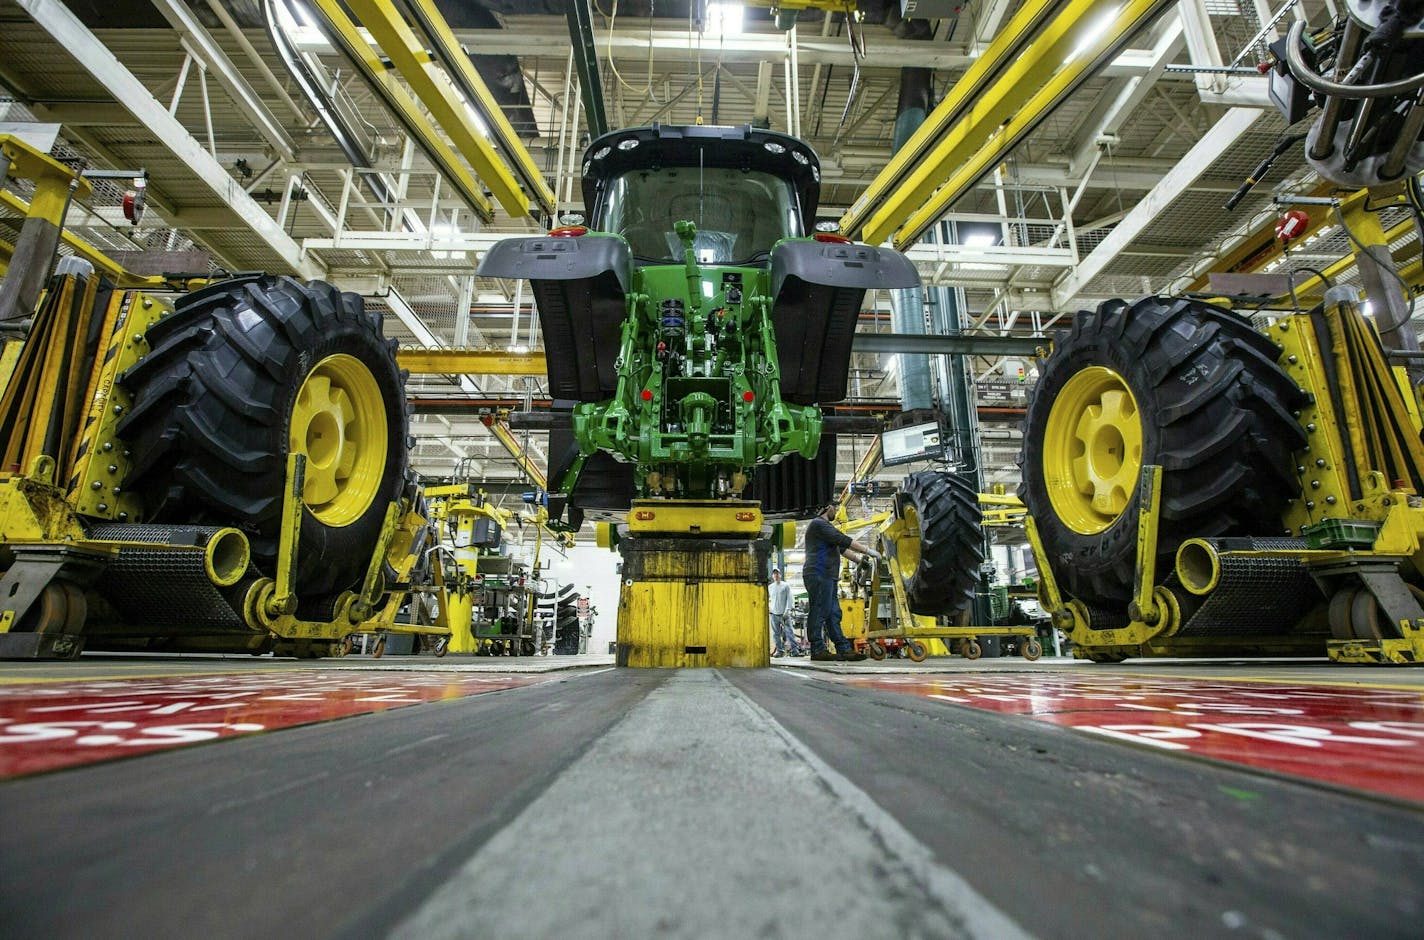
<point x="561" y="797"/>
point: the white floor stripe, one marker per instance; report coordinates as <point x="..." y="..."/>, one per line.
<point x="698" y="815"/>
<point x="980" y="917"/>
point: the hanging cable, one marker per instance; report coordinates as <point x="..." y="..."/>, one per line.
<point x="646" y="90"/>
<point x="1262" y="168"/>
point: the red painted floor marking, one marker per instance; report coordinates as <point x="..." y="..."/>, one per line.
<point x="1369" y="739"/>
<point x="53" y="725"/>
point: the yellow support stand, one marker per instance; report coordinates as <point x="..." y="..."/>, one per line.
<point x="694" y="586"/>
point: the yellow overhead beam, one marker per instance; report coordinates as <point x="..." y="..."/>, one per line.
<point x="868" y="464"/>
<point x="499" y="427"/>
<point x="347" y="37"/>
<point x="457" y="61"/>
<point x="435" y="90"/>
<point x="964" y="94"/>
<point x="1077" y="42"/>
<point x="426" y="361"/>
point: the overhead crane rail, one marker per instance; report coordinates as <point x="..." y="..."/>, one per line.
<point x="1045" y="53"/>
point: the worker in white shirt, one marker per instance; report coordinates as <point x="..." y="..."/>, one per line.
<point x="778" y="601"/>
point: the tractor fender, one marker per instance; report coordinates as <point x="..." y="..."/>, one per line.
<point x="840" y="265"/>
<point x="558" y="258"/>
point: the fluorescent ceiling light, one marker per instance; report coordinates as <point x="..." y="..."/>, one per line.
<point x="724" y="19"/>
<point x="979" y="240"/>
<point x="1094" y="33"/>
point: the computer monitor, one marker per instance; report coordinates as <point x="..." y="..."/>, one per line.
<point x="908" y="444"/>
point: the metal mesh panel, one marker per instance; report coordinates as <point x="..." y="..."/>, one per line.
<point x="1257" y="595"/>
<point x="167" y="588"/>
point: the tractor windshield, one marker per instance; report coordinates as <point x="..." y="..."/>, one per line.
<point x="739" y="213"/>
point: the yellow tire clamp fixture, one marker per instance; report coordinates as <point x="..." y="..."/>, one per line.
<point x="1332" y="582"/>
<point x="64" y="514"/>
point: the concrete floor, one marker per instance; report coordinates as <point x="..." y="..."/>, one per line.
<point x="459" y="798"/>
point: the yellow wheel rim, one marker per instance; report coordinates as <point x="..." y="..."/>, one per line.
<point x="1092" y="450"/>
<point x="339" y="422"/>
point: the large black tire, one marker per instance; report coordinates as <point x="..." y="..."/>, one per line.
<point x="566" y="642"/>
<point x="1214" y="410"/>
<point x="212" y="421"/>
<point x="951" y="542"/>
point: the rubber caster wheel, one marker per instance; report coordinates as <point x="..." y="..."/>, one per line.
<point x="876" y="649"/>
<point x="379" y="649"/>
<point x="1031" y="650"/>
<point x="348" y="645"/>
<point x="972" y="649"/>
<point x="917" y="651"/>
<point x="442" y="646"/>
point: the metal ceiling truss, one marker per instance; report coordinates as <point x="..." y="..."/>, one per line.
<point x="133" y="96"/>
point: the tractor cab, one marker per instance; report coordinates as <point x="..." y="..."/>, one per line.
<point x="744" y="189"/>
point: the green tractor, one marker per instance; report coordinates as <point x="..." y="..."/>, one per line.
<point x="696" y="324"/>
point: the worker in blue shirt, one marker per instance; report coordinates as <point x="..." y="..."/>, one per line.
<point x="825" y="544"/>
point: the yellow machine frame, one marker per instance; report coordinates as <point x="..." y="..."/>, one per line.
<point x="1368" y="556"/>
<point x="63" y="461"/>
<point x="878" y="607"/>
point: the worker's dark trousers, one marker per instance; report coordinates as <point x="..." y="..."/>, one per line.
<point x="823" y="620"/>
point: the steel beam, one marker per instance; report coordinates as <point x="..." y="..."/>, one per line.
<point x="447" y="361"/>
<point x="441" y="360"/>
<point x="117" y="81"/>
<point x="962" y="344"/>
<point x="1007" y="256"/>
<point x="1022" y="97"/>
<point x="1130" y="93"/>
<point x="456" y="62"/>
<point x="435" y="90"/>
<point x="586" y="61"/>
<point x="341" y="31"/>
<point x="407" y="315"/>
<point x="961" y="98"/>
<point x="1222" y="136"/>
<point x="181" y="18"/>
<point x="530" y="36"/>
<point x="500" y="429"/>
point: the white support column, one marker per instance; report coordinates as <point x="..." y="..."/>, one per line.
<point x="761" y="112"/>
<point x="207" y="110"/>
<point x="131" y="94"/>
<point x="793" y="85"/>
<point x="1222" y="136"/>
<point x="407" y="315"/>
<point x="1201" y="43"/>
<point x="518" y="305"/>
<point x="182" y="81"/>
<point x="462" y="310"/>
